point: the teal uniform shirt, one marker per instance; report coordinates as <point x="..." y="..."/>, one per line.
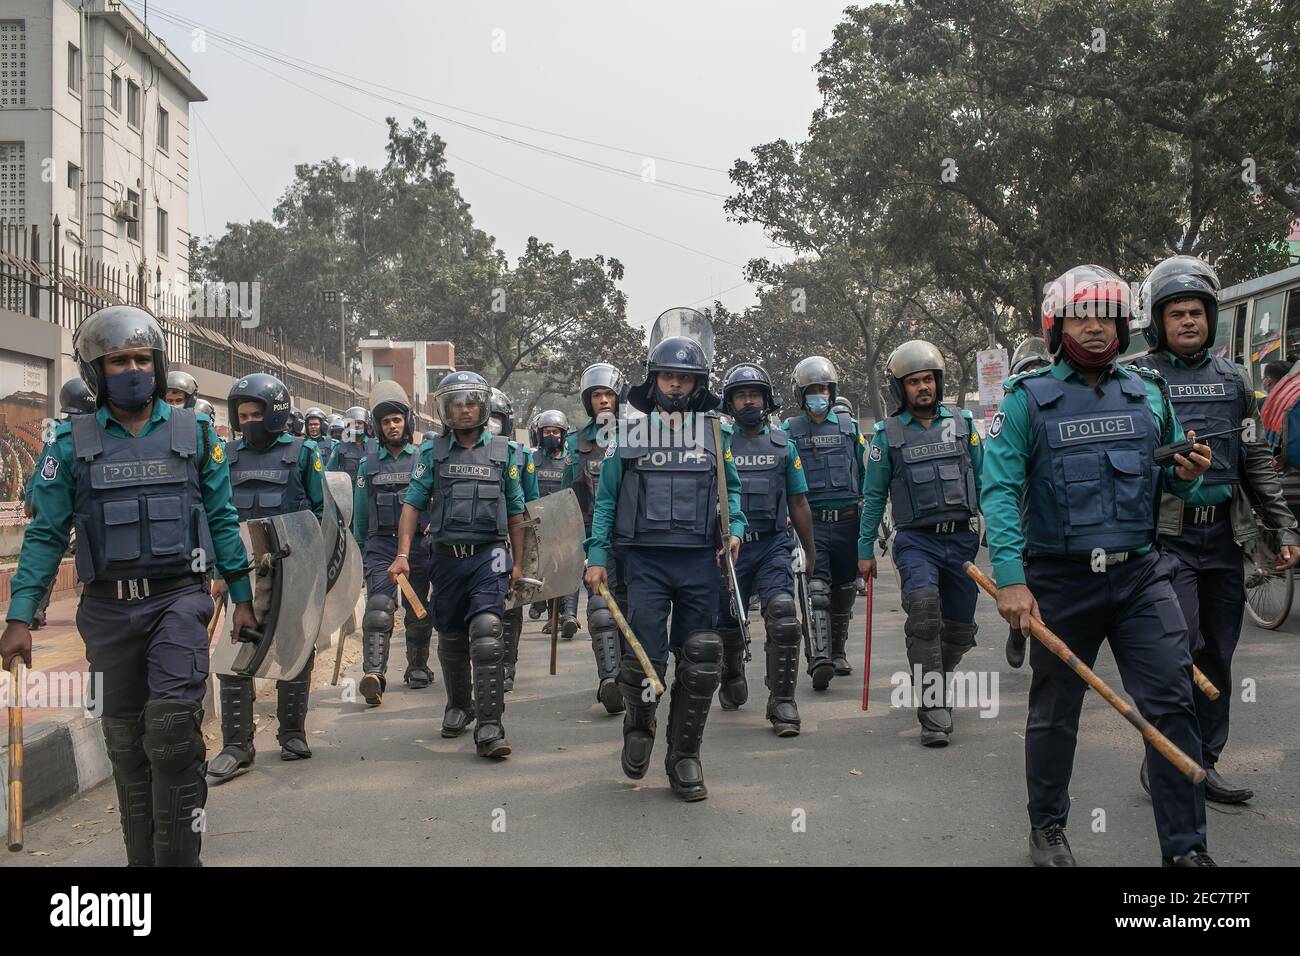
<point x="592" y="432"/>
<point x="1219" y="492"/>
<point x="361" y="499"/>
<point x="528" y="477"/>
<point x="875" y="482"/>
<point x="53" y="501"/>
<point x="833" y="504"/>
<point x="310" y="465"/>
<point x="795" y="483"/>
<point x="424" y="478"/>
<point x="1007" y="454"/>
<point x="332" y="463"/>
<point x="601" y="541"/>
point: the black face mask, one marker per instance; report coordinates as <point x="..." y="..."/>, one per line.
<point x="130" y="391"/>
<point x="750" y="415"/>
<point x="671" y="403"/>
<point x="550" y="444"/>
<point x="255" y="434"/>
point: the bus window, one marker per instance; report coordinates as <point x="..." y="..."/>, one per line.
<point x="1223" y="333"/>
<point x="1239" y="335"/>
<point x="1292" y="326"/>
<point x="1265" y="335"/>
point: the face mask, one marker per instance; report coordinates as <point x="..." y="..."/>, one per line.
<point x="750" y="415"/>
<point x="130" y="391"/>
<point x="817" y="404"/>
<point x="550" y="443"/>
<point x="671" y="403"/>
<point x="494" y="426"/>
<point x="1081" y="357"/>
<point x="255" y="434"/>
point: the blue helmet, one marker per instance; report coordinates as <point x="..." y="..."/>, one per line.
<point x="677" y="353"/>
<point x="264" y="388"/>
<point x="748" y="375"/>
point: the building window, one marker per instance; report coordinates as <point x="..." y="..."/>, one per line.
<point x="133" y="228"/>
<point x="163" y="133"/>
<point x="13" y="184"/>
<point x="74" y="183"/>
<point x="74" y="69"/>
<point x="133" y="104"/>
<point x="115" y="93"/>
<point x="13" y="63"/>
<point x="383" y="373"/>
<point x="162" y="232"/>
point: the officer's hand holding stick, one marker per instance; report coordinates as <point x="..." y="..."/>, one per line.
<point x="1021" y="609"/>
<point x="16" y="747"/>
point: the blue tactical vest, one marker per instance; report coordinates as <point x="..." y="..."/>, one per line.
<point x="931" y="479"/>
<point x="325" y="445"/>
<point x="590" y="456"/>
<point x="1092" y="480"/>
<point x="350" y="455"/>
<point x="139" y="502"/>
<point x="1207" y="399"/>
<point x="550" y="474"/>
<point x="386" y="482"/>
<point x="668" y="495"/>
<point x="762" y="461"/>
<point x="831" y="463"/>
<point x="267" y="481"/>
<point x="468" y="503"/>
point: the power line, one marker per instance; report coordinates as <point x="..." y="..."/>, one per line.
<point x="215" y="140"/>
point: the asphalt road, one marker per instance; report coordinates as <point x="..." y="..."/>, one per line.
<point x="384" y="788"/>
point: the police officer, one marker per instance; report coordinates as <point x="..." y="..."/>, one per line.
<point x="772" y="489"/>
<point x="182" y="389"/>
<point x="842" y="406"/>
<point x="146" y="487"/>
<point x="382" y="480"/>
<point x="336" y="427"/>
<point x="1076" y="441"/>
<point x="298" y="424"/>
<point x="550" y="432"/>
<point x="204" y="407"/>
<point x="830" y="447"/>
<point x="501" y="421"/>
<point x="925" y="460"/>
<point x="471" y="487"/>
<point x="318" y="431"/>
<point x="347" y="454"/>
<point x="658" y="500"/>
<point x="271" y="473"/>
<point x="601" y="386"/>
<point x="1202" y="537"/>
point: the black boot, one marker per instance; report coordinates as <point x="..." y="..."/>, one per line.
<point x="782" y="651"/>
<point x="453" y="655"/>
<point x="1049" y="847"/>
<point x="291" y="710"/>
<point x="488" y="651"/>
<point x="124" y="739"/>
<point x="1194" y="857"/>
<point x="237" y="751"/>
<point x="695" y="680"/>
<point x="733" y="690"/>
<point x="376" y="636"/>
<point x="419" y="635"/>
<point x="922" y="629"/>
<point x="958" y="638"/>
<point x="605" y="645"/>
<point x="842" y="599"/>
<point x="535" y="610"/>
<point x="174" y="744"/>
<point x="640" y="704"/>
<point x="568" y="616"/>
<point x="820" y="667"/>
<point x="512" y="623"/>
<point x="1015" y="647"/>
<point x="1220" y="791"/>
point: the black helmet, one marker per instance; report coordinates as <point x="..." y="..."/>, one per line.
<point x="550" y="418"/>
<point x="601" y="375"/>
<point x="389" y="398"/>
<point x="462" y="388"/>
<point x="747" y="375"/>
<point x="76" y="398"/>
<point x="1178" y="277"/>
<point x="503" y="410"/>
<point x="297" y="422"/>
<point x="183" y="382"/>
<point x="677" y="353"/>
<point x="264" y="388"/>
<point x="117" y="328"/>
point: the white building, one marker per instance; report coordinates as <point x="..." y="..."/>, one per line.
<point x="95" y="129"/>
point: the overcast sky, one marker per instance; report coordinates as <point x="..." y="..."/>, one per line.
<point x="700" y="82"/>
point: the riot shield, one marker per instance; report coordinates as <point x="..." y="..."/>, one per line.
<point x="687" y="322"/>
<point x="553" y="558"/>
<point x="342" y="559"/>
<point x="288" y="582"/>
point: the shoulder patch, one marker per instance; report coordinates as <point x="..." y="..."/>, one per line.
<point x="531" y="467"/>
<point x="995" y="427"/>
<point x="514" y="471"/>
<point x="611" y="449"/>
<point x="361" y="481"/>
<point x="418" y="470"/>
<point x="798" y="462"/>
<point x="49" y="468"/>
<point x="974" y="437"/>
<point x="861" y="439"/>
<point x="875" y="453"/>
<point x="218" y="452"/>
<point x="315" y="461"/>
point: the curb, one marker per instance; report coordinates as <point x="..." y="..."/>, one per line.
<point x="62" y="761"/>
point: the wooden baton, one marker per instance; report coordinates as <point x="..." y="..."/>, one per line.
<point x="1168" y="749"/>
<point x="555" y="632"/>
<point x="411" y="597"/>
<point x="15" y="756"/>
<point x="642" y="658"/>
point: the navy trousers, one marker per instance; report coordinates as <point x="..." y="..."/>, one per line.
<point x="682" y="582"/>
<point x="927" y="560"/>
<point x="466" y="587"/>
<point x="764" y="567"/>
<point x="379" y="554"/>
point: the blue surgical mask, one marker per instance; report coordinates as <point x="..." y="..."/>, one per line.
<point x="817" y="404"/>
<point x="130" y="391"/>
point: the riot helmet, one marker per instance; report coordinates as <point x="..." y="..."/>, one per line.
<point x="910" y="358"/>
<point x="183" y="382"/>
<point x="1029" y="354"/>
<point x="389" y="398"/>
<point x="503" y="411"/>
<point x="316" y="414"/>
<point x="459" y="390"/>
<point x="1178" y="277"/>
<point x="550" y="418"/>
<point x="297" y="423"/>
<point x="601" y="375"/>
<point x="271" y="393"/>
<point x="118" y="328"/>
<point x="1090" y="284"/>
<point x="204" y="407"/>
<point x="76" y="398"/>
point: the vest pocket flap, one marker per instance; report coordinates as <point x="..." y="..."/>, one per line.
<point x="269" y="500"/>
<point x="755" y="486"/>
<point x="164" y="508"/>
<point x="122" y="512"/>
<point x="1125" y="462"/>
<point x="921" y="474"/>
<point x="949" y="470"/>
<point x="463" y="490"/>
<point x="1081" y="467"/>
<point x="488" y="491"/>
<point x="385" y="499"/>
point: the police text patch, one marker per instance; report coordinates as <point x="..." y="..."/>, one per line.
<point x="1073" y="430"/>
<point x="469" y="471"/>
<point x="1199" y="390"/>
<point x="112" y="474"/>
<point x="940" y="449"/>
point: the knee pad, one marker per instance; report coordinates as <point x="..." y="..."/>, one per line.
<point x="781" y="619"/>
<point x="960" y="633"/>
<point x="819" y="594"/>
<point x="485" y="643"/>
<point x="453" y="646"/>
<point x="924" y="615"/>
<point x="842" y="599"/>
<point x="700" y="670"/>
<point x="379" y="614"/>
<point x="171" y="734"/>
<point x="599" y="618"/>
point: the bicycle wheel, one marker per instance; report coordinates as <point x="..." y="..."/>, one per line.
<point x="1268" y="592"/>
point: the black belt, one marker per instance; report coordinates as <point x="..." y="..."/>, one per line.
<point x="751" y="536"/>
<point x="836" y="514"/>
<point x="465" y="550"/>
<point x="1208" y="514"/>
<point x="948" y="527"/>
<point x="137" y="589"/>
<point x="1112" y="557"/>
